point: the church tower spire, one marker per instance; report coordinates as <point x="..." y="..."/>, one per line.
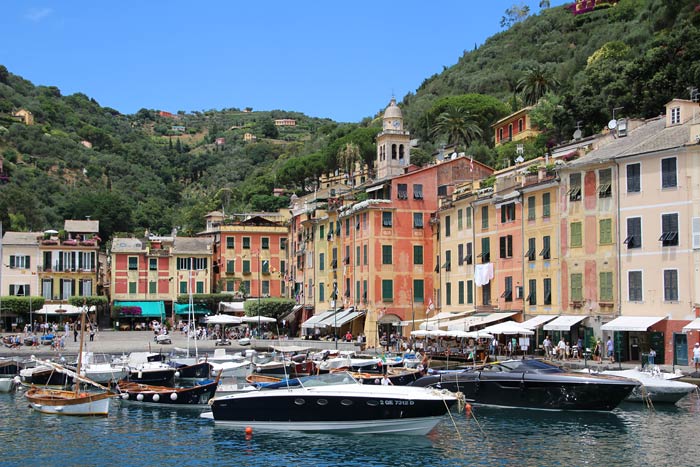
<point x="393" y="143"/>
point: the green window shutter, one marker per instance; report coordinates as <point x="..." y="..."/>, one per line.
<point x="470" y="293"/>
<point x="321" y="292"/>
<point x="12" y="261"/>
<point x="577" y="287"/>
<point x="605" y="231"/>
<point x="531" y="208"/>
<point x="386" y="254"/>
<point x="448" y="293"/>
<point x="606" y="286"/>
<point x="576" y="240"/>
<point x="545" y="204"/>
<point x="417" y="254"/>
<point x="183" y="287"/>
<point x="200" y="287"/>
<point x="387" y="290"/>
<point x="132" y="287"/>
<point x="230" y="267"/>
<point x="459" y="219"/>
<point x="418" y="293"/>
<point x="152" y="287"/>
<point x="460" y="293"/>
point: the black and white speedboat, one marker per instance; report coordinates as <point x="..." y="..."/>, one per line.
<point x="335" y="402"/>
<point x="149" y="368"/>
<point x="533" y="384"/>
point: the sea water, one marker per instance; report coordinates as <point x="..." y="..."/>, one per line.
<point x="136" y="435"/>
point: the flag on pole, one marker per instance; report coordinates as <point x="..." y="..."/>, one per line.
<point x="471" y="163"/>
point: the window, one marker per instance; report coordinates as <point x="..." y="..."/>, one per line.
<point x="364" y="290"/>
<point x="547" y="290"/>
<point x="508" y="289"/>
<point x="283" y="242"/>
<point x="531" y="208"/>
<point x="448" y="293"/>
<point x="605" y="227"/>
<point x="321" y="261"/>
<point x="460" y="293"/>
<point x="133" y="263"/>
<point x="266" y="287"/>
<point x="634" y="184"/>
<point x="532" y="292"/>
<point x="574" y="187"/>
<point x="199" y="263"/>
<point x="468" y="254"/>
<point x="605" y="183"/>
<point x="531" y="250"/>
<point x="357" y="291"/>
<point x="634" y="286"/>
<point x="132" y="287"/>
<point x="460" y="254"/>
<point x="448" y="261"/>
<point x="506" y="246"/>
<point x="545" y="253"/>
<point x="265" y="243"/>
<point x="347" y="227"/>
<point x="507" y="213"/>
<point x="230" y="286"/>
<point x="545" y="204"/>
<point x="283" y="267"/>
<point x="485" y="250"/>
<point x="417" y="254"/>
<point x="576" y="240"/>
<point x="634" y="233"/>
<point x="460" y="220"/>
<point x="418" y="290"/>
<point x="20" y="290"/>
<point x="386" y="219"/>
<point x="442" y="190"/>
<point x="577" y="287"/>
<point x="447" y="226"/>
<point x="199" y="287"/>
<point x="402" y="191"/>
<point x="265" y="266"/>
<point x="20" y="262"/>
<point x="246" y="243"/>
<point x="669" y="230"/>
<point x="246" y="266"/>
<point x="484" y="217"/>
<point x="364" y="255"/>
<point x="357" y="255"/>
<point x="387" y="290"/>
<point x="183" y="287"/>
<point x="417" y="191"/>
<point x="321" y="232"/>
<point x="230" y="267"/>
<point x="152" y="264"/>
<point x="152" y="289"/>
<point x="469" y="217"/>
<point x="230" y="243"/>
<point x="417" y="220"/>
<point x="470" y="293"/>
<point x="668" y="173"/>
<point x="346" y="260"/>
<point x="670" y="285"/>
<point x="386" y="254"/>
<point x="675" y="115"/>
<point x="520" y="125"/>
<point x="321" y="292"/>
<point x="606" y="287"/>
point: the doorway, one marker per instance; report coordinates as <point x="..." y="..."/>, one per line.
<point x="680" y="349"/>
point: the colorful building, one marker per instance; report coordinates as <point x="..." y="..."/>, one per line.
<point x="515" y="127"/>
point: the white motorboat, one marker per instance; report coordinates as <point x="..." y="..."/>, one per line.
<point x="8" y="383"/>
<point x="335" y="402"/>
<point x="656" y="387"/>
<point x="100" y="369"/>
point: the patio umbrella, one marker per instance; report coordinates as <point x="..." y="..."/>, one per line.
<point x="508" y="328"/>
<point x="223" y="319"/>
<point x="458" y="334"/>
<point x="258" y="319"/>
<point x="479" y="335"/>
<point x="420" y="333"/>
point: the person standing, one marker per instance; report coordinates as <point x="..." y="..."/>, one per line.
<point x="652" y="355"/>
<point x="696" y="356"/>
<point x="547" y="343"/>
<point x="610" y="348"/>
<point x="597" y="350"/>
<point x="75" y="332"/>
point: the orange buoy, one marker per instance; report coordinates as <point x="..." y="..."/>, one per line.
<point x="468" y="409"/>
<point x="248" y="430"/>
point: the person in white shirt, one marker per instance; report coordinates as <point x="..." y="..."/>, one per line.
<point x="386" y="381"/>
<point x="561" y="349"/>
<point x="696" y="355"/>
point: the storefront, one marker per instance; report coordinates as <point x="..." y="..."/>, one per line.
<point x="633" y="336"/>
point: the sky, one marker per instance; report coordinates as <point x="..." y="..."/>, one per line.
<point x="327" y="59"/>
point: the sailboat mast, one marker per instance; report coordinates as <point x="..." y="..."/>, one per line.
<point x="80" y="351"/>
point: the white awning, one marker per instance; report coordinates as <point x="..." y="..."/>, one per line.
<point x="476" y="320"/>
<point x="694" y="325"/>
<point x="441" y="317"/>
<point x="292" y="315"/>
<point x="62" y="309"/>
<point x="374" y="188"/>
<point x="509" y="328"/>
<point x="537" y="321"/>
<point x="632" y="323"/>
<point x="233" y="307"/>
<point x="315" y="319"/>
<point x="353" y="315"/>
<point x="564" y="322"/>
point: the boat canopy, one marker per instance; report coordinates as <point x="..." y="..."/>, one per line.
<point x="632" y="323"/>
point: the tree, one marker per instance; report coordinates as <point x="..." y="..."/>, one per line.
<point x="536" y="82"/>
<point x="483" y="109"/>
<point x="456" y="123"/>
<point x="515" y="14"/>
<point x="347" y="157"/>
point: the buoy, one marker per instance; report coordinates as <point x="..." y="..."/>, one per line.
<point x="468" y="409"/>
<point x="139" y="397"/>
<point x="125" y="395"/>
<point x="156" y="397"/>
<point x="173" y="396"/>
<point x="248" y="433"/>
<point x="177" y="374"/>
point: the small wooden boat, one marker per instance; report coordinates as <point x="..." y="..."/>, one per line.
<point x="256" y="378"/>
<point x="198" y="394"/>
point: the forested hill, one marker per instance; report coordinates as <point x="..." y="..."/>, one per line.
<point x="155" y="170"/>
<point x="636" y="55"/>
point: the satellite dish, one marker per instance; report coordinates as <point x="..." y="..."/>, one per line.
<point x="578" y="134"/>
<point x="519" y="159"/>
<point x="612" y="124"/>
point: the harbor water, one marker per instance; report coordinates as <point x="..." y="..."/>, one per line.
<point x="136" y="435"/>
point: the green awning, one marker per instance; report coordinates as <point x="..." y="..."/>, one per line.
<point x="184" y="308"/>
<point x="148" y="309"/>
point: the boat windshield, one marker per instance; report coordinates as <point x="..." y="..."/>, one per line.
<point x="329" y="379"/>
<point x="529" y="366"/>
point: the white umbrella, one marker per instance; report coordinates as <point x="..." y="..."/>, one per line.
<point x="223" y="319"/>
<point x="458" y="334"/>
<point x="51" y="232"/>
<point x="436" y="333"/>
<point x="256" y="319"/>
<point x="479" y="335"/>
<point x="420" y="333"/>
<point x="508" y="327"/>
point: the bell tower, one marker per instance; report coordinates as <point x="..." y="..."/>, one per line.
<point x="393" y="144"/>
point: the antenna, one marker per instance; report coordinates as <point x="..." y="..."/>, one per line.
<point x="578" y="133"/>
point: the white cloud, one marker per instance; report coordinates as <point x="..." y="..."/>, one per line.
<point x="38" y="14"/>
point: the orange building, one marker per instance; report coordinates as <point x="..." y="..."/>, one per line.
<point x="515" y="127"/>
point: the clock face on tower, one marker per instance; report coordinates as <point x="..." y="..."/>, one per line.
<point x="396" y="124"/>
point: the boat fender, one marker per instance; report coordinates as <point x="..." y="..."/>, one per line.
<point x="140" y="374"/>
<point x="468" y="410"/>
<point x="173" y="396"/>
<point x="125" y="395"/>
<point x="156" y="397"/>
<point x="139" y="397"/>
<point x="177" y="374"/>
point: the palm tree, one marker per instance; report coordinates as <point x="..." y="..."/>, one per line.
<point x="457" y="124"/>
<point x="536" y="82"/>
<point x="347" y="156"/>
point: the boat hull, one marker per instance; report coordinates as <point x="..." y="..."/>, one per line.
<point x="161" y="376"/>
<point x="161" y="395"/>
<point x="57" y="402"/>
<point x="200" y="370"/>
<point x="7" y="383"/>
